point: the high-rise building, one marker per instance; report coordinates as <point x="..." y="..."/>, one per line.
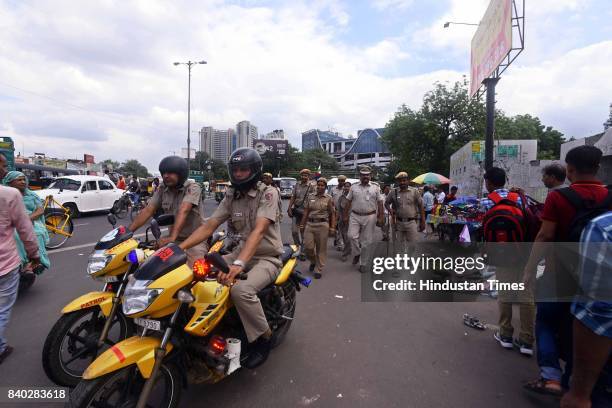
<point x="219" y="144"/>
<point x="277" y="134"/>
<point x="246" y="133"/>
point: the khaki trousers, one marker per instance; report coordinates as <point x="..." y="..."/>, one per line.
<point x="524" y="300"/>
<point x="361" y="234"/>
<point x="346" y="242"/>
<point x="261" y="273"/>
<point x="195" y="252"/>
<point x="315" y="243"/>
<point x="406" y="231"/>
<point x="295" y="232"/>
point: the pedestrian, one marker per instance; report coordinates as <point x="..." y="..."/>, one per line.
<point x="156" y="183"/>
<point x="13" y="217"/>
<point x="554" y="321"/>
<point x="428" y="203"/>
<point x="341" y="209"/>
<point x="553" y="176"/>
<point x="387" y="221"/>
<point x="405" y="205"/>
<point x="452" y="196"/>
<point x="366" y="212"/>
<point x="134" y="189"/>
<point x="440" y="195"/>
<point x="591" y="383"/>
<point x="268" y="180"/>
<point x="499" y="203"/>
<point x="121" y="183"/>
<point x="336" y="193"/>
<point x="318" y="222"/>
<point x="35" y="209"/>
<point x="295" y="208"/>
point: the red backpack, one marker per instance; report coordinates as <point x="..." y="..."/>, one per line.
<point x="506" y="220"/>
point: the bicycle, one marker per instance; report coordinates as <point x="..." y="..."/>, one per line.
<point x="126" y="205"/>
<point x="58" y="223"/>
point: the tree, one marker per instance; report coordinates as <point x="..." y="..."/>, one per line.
<point x="529" y="127"/>
<point x="202" y="161"/>
<point x="133" y="166"/>
<point x="110" y="163"/>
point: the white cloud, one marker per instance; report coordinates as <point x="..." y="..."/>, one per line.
<point x="392" y="4"/>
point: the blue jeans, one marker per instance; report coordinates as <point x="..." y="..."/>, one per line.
<point x="135" y="197"/>
<point x="9" y="284"/>
<point x="554" y="340"/>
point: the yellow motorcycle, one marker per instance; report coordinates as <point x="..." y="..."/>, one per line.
<point x="94" y="321"/>
<point x="195" y="333"/>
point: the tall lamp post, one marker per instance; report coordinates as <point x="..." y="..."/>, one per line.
<point x="189" y="65"/>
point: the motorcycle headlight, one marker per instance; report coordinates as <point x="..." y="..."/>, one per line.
<point x="137" y="296"/>
<point x="97" y="261"/>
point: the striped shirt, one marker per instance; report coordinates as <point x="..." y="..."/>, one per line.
<point x="596" y="276"/>
<point x="485" y="204"/>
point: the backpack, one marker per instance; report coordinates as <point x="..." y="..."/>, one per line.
<point x="586" y="210"/>
<point x="506" y="220"/>
<point x="533" y="216"/>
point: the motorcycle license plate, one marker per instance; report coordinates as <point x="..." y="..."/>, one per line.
<point x="148" y="323"/>
<point x="107" y="279"/>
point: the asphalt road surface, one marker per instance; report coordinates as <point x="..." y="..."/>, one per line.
<point x="340" y="351"/>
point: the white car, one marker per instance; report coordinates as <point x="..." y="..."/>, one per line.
<point x="83" y="194"/>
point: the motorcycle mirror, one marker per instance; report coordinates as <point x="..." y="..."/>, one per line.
<point x="215" y="259"/>
<point x="155" y="229"/>
<point x="112" y="219"/>
<point x="164" y="220"/>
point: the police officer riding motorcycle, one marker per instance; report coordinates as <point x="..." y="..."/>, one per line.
<point x="252" y="209"/>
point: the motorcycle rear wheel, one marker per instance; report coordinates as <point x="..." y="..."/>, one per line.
<point x="121" y="389"/>
<point x="280" y="332"/>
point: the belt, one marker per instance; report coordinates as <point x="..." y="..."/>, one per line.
<point x="400" y="219"/>
<point x="317" y="219"/>
<point x="364" y="214"/>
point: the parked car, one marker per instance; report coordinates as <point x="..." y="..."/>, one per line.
<point x="82" y="194"/>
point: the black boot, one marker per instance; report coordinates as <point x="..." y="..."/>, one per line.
<point x="258" y="353"/>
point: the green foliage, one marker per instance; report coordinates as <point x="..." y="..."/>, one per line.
<point x="202" y="161"/>
<point x="294" y="161"/>
<point x="423" y="140"/>
<point x="133" y="166"/>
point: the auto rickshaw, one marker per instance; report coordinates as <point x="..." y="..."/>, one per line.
<point x="220" y="189"/>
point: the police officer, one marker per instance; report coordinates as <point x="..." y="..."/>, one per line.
<point x="252" y="208"/>
<point x="366" y="212"/>
<point x="179" y="197"/>
<point x="268" y="180"/>
<point x="296" y="205"/>
<point x="341" y="209"/>
<point x="405" y="205"/>
<point x="318" y="222"/>
<point x="336" y="193"/>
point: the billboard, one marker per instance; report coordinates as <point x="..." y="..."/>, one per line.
<point x="88" y="158"/>
<point x="276" y="147"/>
<point x="491" y="43"/>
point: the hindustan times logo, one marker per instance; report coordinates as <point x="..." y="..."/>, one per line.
<point x="412" y="264"/>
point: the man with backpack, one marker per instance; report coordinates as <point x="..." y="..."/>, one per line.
<point x="505" y="223"/>
<point x="566" y="212"/>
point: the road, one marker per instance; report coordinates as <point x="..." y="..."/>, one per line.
<point x="340" y="352"/>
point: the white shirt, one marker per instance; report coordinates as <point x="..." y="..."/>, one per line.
<point x="440" y="197"/>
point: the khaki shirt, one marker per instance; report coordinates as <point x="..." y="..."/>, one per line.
<point x="299" y="192"/>
<point x="336" y="193"/>
<point x="364" y="199"/>
<point x="243" y="211"/>
<point x="170" y="200"/>
<point x="408" y="203"/>
<point x="319" y="206"/>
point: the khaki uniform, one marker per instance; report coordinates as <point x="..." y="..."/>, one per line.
<point x="342" y="228"/>
<point x="336" y="193"/>
<point x="362" y="222"/>
<point x="264" y="266"/>
<point x="170" y="200"/>
<point x="407" y="206"/>
<point x="316" y="232"/>
<point x="300" y="192"/>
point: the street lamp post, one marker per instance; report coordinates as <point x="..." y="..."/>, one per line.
<point x="189" y="65"/>
<point x="448" y="23"/>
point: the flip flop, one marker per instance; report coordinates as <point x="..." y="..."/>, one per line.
<point x="473" y="322"/>
<point x="543" y="386"/>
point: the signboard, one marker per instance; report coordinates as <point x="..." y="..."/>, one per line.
<point x="491" y="43"/>
<point x="8" y="150"/>
<point x="275" y="147"/>
<point x="60" y="164"/>
<point x="197" y="176"/>
<point x="88" y="158"/>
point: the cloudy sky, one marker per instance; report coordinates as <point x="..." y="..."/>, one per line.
<point x="97" y="76"/>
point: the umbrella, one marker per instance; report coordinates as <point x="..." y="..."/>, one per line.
<point x="431" y="178"/>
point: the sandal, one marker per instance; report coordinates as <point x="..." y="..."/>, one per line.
<point x="543" y="386"/>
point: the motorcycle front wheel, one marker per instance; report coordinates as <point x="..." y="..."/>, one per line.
<point x="72" y="343"/>
<point x="122" y="388"/>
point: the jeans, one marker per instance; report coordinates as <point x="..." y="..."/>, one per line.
<point x="9" y="284"/>
<point x="135" y="197"/>
<point x="554" y="340"/>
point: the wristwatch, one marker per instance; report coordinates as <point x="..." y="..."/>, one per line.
<point x="239" y="263"/>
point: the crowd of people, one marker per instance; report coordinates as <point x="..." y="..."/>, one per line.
<point x="573" y="338"/>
